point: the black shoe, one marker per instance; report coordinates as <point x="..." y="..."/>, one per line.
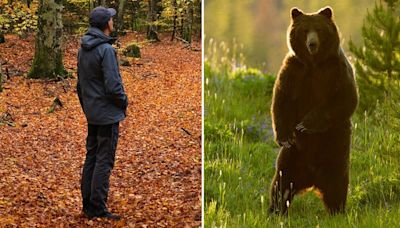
<point x="105" y="214"/>
<point x="110" y="216"/>
<point x="88" y="214"/>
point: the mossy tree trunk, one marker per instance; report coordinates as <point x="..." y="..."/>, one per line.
<point x="91" y="5"/>
<point x="133" y="11"/>
<point x="2" y="38"/>
<point x="28" y="3"/>
<point x="175" y="7"/>
<point x="48" y="60"/>
<point x="120" y="17"/>
<point x="101" y="3"/>
<point x="197" y="18"/>
<point x="151" y="19"/>
<point x="188" y="23"/>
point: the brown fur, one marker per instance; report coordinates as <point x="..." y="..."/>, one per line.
<point x="319" y="92"/>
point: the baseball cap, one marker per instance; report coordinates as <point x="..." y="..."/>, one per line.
<point x="100" y="16"/>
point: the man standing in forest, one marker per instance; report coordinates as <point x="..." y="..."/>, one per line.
<point x="104" y="102"/>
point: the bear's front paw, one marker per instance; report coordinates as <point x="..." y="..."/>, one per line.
<point x="300" y="127"/>
<point x="306" y="128"/>
<point x="287" y="142"/>
<point x="312" y="127"/>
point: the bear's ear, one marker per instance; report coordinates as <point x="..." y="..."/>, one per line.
<point x="295" y="12"/>
<point x="327" y="12"/>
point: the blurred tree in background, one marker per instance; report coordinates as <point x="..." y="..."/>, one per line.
<point x="152" y="15"/>
<point x="182" y="17"/>
<point x="17" y="17"/>
<point x="378" y="57"/>
<point x="51" y="21"/>
<point x="48" y="59"/>
<point x="261" y="25"/>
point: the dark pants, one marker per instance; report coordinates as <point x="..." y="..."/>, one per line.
<point x="101" y="144"/>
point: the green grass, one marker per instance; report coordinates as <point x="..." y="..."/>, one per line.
<point x="240" y="156"/>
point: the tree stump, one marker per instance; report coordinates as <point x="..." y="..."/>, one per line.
<point x="153" y="36"/>
<point x="2" y="39"/>
<point x="56" y="102"/>
<point x="124" y="62"/>
<point x="132" y="50"/>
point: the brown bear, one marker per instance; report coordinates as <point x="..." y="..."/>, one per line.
<point x="314" y="97"/>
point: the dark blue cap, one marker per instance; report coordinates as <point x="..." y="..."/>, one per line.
<point x="100" y="16"/>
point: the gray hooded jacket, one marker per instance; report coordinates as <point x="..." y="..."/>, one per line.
<point x="100" y="89"/>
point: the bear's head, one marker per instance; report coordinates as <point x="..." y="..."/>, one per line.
<point x="313" y="37"/>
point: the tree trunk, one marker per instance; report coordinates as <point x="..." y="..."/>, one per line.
<point x="2" y="38"/>
<point x="100" y="3"/>
<point x="198" y="20"/>
<point x="28" y="3"/>
<point x="120" y="16"/>
<point x="182" y="18"/>
<point x="151" y="18"/>
<point x="133" y="22"/>
<point x="91" y="5"/>
<point x="47" y="62"/>
<point x="188" y="23"/>
<point x="279" y="5"/>
<point x="134" y="9"/>
<point x="175" y="5"/>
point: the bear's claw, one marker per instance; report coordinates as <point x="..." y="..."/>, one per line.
<point x="300" y="127"/>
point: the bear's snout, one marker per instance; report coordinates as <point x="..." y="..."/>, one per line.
<point x="312" y="42"/>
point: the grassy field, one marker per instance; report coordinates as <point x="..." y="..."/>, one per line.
<point x="240" y="155"/>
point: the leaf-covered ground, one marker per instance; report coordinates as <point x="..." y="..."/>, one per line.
<point x="156" y="180"/>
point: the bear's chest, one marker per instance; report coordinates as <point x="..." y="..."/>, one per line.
<point x="320" y="85"/>
<point x="313" y="88"/>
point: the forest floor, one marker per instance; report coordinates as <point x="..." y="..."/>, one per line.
<point x="156" y="180"/>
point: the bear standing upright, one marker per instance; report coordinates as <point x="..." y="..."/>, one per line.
<point x="314" y="97"/>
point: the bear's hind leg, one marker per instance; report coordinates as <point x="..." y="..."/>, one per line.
<point x="333" y="175"/>
<point x="334" y="193"/>
<point x="289" y="179"/>
<point x="281" y="193"/>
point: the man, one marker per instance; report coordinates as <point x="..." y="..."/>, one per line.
<point x="104" y="102"/>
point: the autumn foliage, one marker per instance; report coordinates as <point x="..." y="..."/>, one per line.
<point x="156" y="180"/>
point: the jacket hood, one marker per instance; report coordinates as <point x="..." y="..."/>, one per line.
<point x="94" y="37"/>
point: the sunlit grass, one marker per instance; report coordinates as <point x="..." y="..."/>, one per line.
<point x="240" y="156"/>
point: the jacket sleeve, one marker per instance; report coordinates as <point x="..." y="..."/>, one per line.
<point x="78" y="90"/>
<point x="78" y="85"/>
<point x="112" y="79"/>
